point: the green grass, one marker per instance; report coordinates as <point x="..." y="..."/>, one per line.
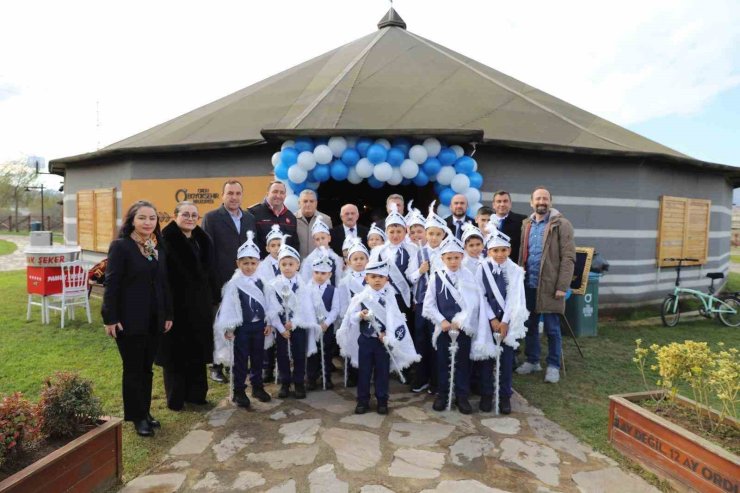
<point x="30" y="351"/>
<point x="57" y="236"/>
<point x="7" y="247"/>
<point x="735" y="259"/>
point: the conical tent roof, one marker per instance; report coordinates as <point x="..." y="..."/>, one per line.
<point x="396" y="82"/>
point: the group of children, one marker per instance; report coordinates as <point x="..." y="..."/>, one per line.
<point x="420" y="301"/>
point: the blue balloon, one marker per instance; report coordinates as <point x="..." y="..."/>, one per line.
<point x="476" y="179"/>
<point x="320" y="141"/>
<point x="312" y="186"/>
<point x="304" y="144"/>
<point x="363" y="144"/>
<point x="339" y="171"/>
<point x="447" y="156"/>
<point x="374" y="182"/>
<point x="321" y="172"/>
<point x="431" y="166"/>
<point x="403" y="144"/>
<point x="438" y="187"/>
<point x="297" y="187"/>
<point x="311" y="176"/>
<point x="396" y="156"/>
<point x="421" y="179"/>
<point x="465" y="165"/>
<point x="281" y="171"/>
<point x="376" y="154"/>
<point x="406" y="181"/>
<point x="350" y="157"/>
<point x="445" y="196"/>
<point x="289" y="156"/>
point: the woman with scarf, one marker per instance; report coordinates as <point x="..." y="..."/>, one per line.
<point x="185" y="351"/>
<point x="137" y="308"/>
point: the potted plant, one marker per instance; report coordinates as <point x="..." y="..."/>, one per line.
<point x="61" y="443"/>
<point x="684" y="440"/>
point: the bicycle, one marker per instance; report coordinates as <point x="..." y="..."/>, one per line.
<point x="727" y="305"/>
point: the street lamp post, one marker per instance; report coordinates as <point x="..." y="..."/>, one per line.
<point x="41" y="188"/>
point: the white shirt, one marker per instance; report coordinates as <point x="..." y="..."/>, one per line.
<point x="348" y="233"/>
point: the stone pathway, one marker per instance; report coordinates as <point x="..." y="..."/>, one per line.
<point x="318" y="445"/>
<point x="15" y="260"/>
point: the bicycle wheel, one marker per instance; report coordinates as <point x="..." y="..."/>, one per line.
<point x="670" y="312"/>
<point x="727" y="318"/>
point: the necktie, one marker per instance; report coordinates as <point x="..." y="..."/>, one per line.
<point x="351" y="231"/>
<point x="276" y="269"/>
<point x="458" y="230"/>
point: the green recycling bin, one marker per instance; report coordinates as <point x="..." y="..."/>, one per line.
<point x="582" y="310"/>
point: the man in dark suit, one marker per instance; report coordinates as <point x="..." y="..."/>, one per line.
<point x="227" y="226"/>
<point x="459" y="208"/>
<point x="349" y="227"/>
<point x="506" y="221"/>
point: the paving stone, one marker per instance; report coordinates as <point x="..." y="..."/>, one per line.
<point x="180" y="464"/>
<point x="611" y="480"/>
<point x="463" y="486"/>
<point x="303" y="431"/>
<point x="230" y="445"/>
<point x="371" y="420"/>
<point x="161" y="483"/>
<point x="416" y="464"/>
<point x="194" y="442"/>
<point x="463" y="422"/>
<point x="556" y="437"/>
<point x="418" y="434"/>
<point x="278" y="416"/>
<point x="286" y="487"/>
<point x="471" y="447"/>
<point x="323" y="480"/>
<point x="210" y="482"/>
<point x="411" y="413"/>
<point x="265" y="406"/>
<point x="247" y="480"/>
<point x="503" y="426"/>
<point x="600" y="456"/>
<point x="375" y="488"/>
<point x="329" y="401"/>
<point x="281" y="459"/>
<point x="520" y="405"/>
<point x="296" y="412"/>
<point x="219" y="416"/>
<point x="540" y="460"/>
<point x="356" y="450"/>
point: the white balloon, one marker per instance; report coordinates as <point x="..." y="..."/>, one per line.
<point x="418" y="154"/>
<point x="287" y="143"/>
<point x="276" y="159"/>
<point x="459" y="151"/>
<point x="460" y="183"/>
<point x="474" y="208"/>
<point x="323" y="154"/>
<point x="475" y="165"/>
<point x="337" y="145"/>
<point x="297" y="174"/>
<point x="364" y="168"/>
<point x="433" y="146"/>
<point x="291" y="202"/>
<point x="396" y="177"/>
<point x="306" y="161"/>
<point x="472" y="194"/>
<point x="409" y="169"/>
<point x="353" y="177"/>
<point x="384" y="142"/>
<point x="383" y="171"/>
<point x="446" y="174"/>
<point x="443" y="211"/>
<point x="351" y="142"/>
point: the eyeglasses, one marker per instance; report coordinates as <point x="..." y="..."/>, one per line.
<point x="187" y="215"/>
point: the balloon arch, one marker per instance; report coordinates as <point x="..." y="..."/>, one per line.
<point x="305" y="163"/>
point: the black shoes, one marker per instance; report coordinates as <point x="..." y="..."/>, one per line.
<point x="504" y="405"/>
<point x="241" y="399"/>
<point x="284" y="391"/>
<point x="440" y="403"/>
<point x="382" y="408"/>
<point x="143" y="428"/>
<point x="463" y="405"/>
<point x="486" y="403"/>
<point x="260" y="394"/>
<point x="217" y="374"/>
<point x="153" y="423"/>
<point x="361" y="408"/>
<point x="300" y="391"/>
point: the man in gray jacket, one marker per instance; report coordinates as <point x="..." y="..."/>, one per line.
<point x="306" y="216"/>
<point x="548" y="255"/>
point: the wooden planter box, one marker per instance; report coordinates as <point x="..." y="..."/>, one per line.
<point x="686" y="460"/>
<point x="91" y="462"/>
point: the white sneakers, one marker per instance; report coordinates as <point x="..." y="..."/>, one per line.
<point x="526" y="368"/>
<point x="552" y="375"/>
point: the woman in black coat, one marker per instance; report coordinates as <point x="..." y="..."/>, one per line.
<point x="186" y="350"/>
<point x="137" y="308"/>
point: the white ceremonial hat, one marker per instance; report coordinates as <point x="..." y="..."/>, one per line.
<point x="378" y="266"/>
<point x="470" y="230"/>
<point x="375" y="230"/>
<point x="434" y="221"/>
<point x="451" y="245"/>
<point x="322" y="262"/>
<point x="357" y="246"/>
<point x="498" y="239"/>
<point x="274" y="234"/>
<point x="319" y="226"/>
<point x="287" y="250"/>
<point x="248" y="248"/>
<point x="394" y="217"/>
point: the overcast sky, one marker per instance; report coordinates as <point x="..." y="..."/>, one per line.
<point x="76" y="76"/>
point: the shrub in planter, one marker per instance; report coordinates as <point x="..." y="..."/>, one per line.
<point x="67" y="405"/>
<point x="19" y="424"/>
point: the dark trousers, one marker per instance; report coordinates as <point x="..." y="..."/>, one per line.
<point x="249" y="344"/>
<point x="314" y="361"/>
<point x="298" y="343"/>
<point x="462" y="365"/>
<point x="186" y="383"/>
<point x="426" y="369"/>
<point x="374" y="362"/>
<point x="486" y="377"/>
<point x="137" y="353"/>
<point x="268" y="361"/>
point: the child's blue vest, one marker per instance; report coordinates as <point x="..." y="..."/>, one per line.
<point x="250" y="308"/>
<point x="328" y="296"/>
<point x="283" y="318"/>
<point x="446" y="304"/>
<point x="501" y="283"/>
<point x="365" y="328"/>
<point x="421" y="285"/>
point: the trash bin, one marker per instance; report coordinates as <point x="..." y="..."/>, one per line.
<point x="583" y="310"/>
<point x="35" y="225"/>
